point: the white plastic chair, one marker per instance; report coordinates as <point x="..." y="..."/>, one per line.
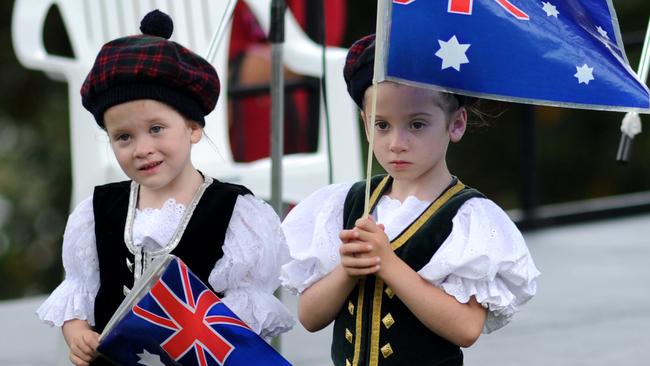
<point x="91" y="23"/>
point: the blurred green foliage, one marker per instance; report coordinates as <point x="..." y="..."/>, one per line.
<point x="574" y="150"/>
<point x="34" y="169"/>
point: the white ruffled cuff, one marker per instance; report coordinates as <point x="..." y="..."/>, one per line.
<point x="500" y="300"/>
<point x="263" y="312"/>
<point x="312" y="230"/>
<point x="68" y="301"/>
<point x="485" y="256"/>
<point x="297" y="276"/>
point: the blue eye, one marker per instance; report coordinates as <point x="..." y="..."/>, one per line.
<point x="156" y="129"/>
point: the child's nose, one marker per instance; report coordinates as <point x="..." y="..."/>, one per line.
<point x="398" y="142"/>
<point x="143" y="147"/>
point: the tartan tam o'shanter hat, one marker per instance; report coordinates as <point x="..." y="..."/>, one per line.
<point x="359" y="68"/>
<point x="150" y="66"/>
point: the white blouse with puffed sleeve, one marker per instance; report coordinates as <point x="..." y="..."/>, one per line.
<point x="254" y="250"/>
<point x="484" y="255"/>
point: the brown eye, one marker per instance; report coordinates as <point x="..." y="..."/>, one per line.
<point x="381" y="125"/>
<point x="418" y="125"/>
<point x="123" y="137"/>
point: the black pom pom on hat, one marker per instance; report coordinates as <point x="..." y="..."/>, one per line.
<point x="156" y="23"/>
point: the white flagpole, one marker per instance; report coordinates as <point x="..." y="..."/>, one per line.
<point x="371" y="142"/>
<point x="226" y="17"/>
<point x="383" y="17"/>
<point x="631" y="125"/>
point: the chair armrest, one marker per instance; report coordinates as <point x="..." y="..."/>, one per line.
<point x="27" y="23"/>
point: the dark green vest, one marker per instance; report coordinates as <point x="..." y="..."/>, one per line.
<point x="374" y="327"/>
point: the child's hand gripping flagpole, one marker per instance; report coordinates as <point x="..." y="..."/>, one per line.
<point x="631" y="125"/>
<point x="383" y="15"/>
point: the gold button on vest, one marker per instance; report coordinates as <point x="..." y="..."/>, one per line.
<point x="386" y="350"/>
<point x="388" y="321"/>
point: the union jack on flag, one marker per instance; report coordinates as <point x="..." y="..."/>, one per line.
<point x="179" y="321"/>
<point x="553" y="52"/>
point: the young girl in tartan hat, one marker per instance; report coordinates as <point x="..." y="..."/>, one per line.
<point x="434" y="265"/>
<point x="150" y="95"/>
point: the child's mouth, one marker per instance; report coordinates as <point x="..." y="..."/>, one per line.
<point x="150" y="166"/>
<point x="400" y="163"/>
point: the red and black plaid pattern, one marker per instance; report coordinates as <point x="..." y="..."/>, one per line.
<point x="150" y="67"/>
<point x="358" y="70"/>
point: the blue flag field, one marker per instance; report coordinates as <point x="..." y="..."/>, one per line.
<point x="558" y="52"/>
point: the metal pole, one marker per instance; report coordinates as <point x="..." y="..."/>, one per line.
<point x="276" y="37"/>
<point x="631" y="122"/>
<point x="529" y="193"/>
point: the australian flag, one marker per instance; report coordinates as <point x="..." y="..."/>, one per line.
<point x="179" y="321"/>
<point x="554" y="52"/>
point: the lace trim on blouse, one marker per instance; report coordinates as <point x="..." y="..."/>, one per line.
<point x="254" y="249"/>
<point x="484" y="256"/>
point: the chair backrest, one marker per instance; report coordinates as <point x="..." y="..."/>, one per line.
<point x="91" y="23"/>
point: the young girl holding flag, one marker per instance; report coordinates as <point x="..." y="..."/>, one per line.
<point x="434" y="265"/>
<point x="151" y="96"/>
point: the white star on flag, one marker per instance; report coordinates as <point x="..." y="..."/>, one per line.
<point x="149" y="359"/>
<point x="550" y="9"/>
<point x="602" y="32"/>
<point x="452" y="53"/>
<point x="584" y="74"/>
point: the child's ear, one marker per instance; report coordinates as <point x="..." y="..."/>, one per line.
<point x="458" y="124"/>
<point x="196" y="131"/>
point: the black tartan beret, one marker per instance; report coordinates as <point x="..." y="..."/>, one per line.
<point x="359" y="68"/>
<point x="359" y="71"/>
<point x="149" y="66"/>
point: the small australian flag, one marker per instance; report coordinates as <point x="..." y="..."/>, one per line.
<point x="181" y="322"/>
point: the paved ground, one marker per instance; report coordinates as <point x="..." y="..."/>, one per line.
<point x="592" y="308"/>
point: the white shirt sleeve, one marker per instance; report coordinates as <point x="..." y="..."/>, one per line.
<point x="312" y="229"/>
<point x="253" y="252"/>
<point x="485" y="256"/>
<point x="74" y="298"/>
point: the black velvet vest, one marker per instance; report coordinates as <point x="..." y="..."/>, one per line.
<point x="374" y="327"/>
<point x="200" y="246"/>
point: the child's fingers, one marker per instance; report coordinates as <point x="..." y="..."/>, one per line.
<point x="92" y="340"/>
<point x="350" y="249"/>
<point x="77" y="360"/>
<point x="348" y="235"/>
<point x="358" y="263"/>
<point x="365" y="236"/>
<point x="84" y="346"/>
<point x="371" y="237"/>
<point x="356" y="272"/>
<point x="82" y="349"/>
<point x="367" y="224"/>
